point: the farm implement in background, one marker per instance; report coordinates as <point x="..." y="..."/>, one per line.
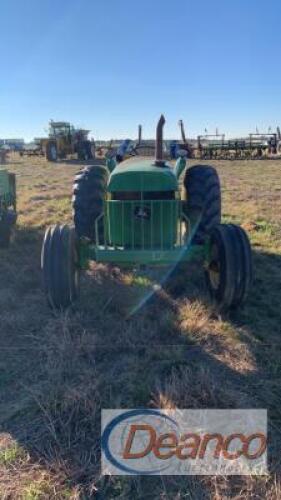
<point x="142" y="147"/>
<point x="177" y="147"/>
<point x="129" y="148"/>
<point x="256" y="146"/>
<point x="136" y="214"/>
<point x="32" y="149"/>
<point x="8" y="207"/>
<point x="4" y="154"/>
<point x="65" y="140"/>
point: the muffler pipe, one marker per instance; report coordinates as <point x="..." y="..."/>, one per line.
<point x="159" y="142"/>
<point x="182" y="131"/>
<point x="140" y="135"/>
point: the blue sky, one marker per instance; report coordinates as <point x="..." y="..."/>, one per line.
<point x="108" y="65"/>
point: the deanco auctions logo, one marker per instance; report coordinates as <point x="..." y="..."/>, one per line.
<point x="151" y="442"/>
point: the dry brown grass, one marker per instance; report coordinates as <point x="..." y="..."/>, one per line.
<point x="58" y="370"/>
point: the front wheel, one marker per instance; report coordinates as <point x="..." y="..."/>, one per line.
<point x="229" y="268"/>
<point x="59" y="264"/>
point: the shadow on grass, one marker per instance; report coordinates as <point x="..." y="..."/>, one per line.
<point x="95" y="161"/>
<point x="57" y="370"/>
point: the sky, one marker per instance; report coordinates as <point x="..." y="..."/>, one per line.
<point x="108" y="65"/>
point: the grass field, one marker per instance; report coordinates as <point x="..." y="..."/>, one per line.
<point x="58" y="370"/>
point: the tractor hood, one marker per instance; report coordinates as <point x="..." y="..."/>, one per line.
<point x="142" y="175"/>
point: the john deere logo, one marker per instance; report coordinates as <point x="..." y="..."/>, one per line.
<point x="142" y="213"/>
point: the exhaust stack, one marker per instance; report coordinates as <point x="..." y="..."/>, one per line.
<point x="159" y="142"/>
<point x="182" y="131"/>
<point x="139" y="135"/>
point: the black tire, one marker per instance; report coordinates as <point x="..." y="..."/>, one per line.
<point x="88" y="198"/>
<point x="59" y="264"/>
<point x="229" y="269"/>
<point x="7" y="223"/>
<point x="62" y="154"/>
<point x="84" y="150"/>
<point x="5" y="232"/>
<point x="51" y="151"/>
<point x="243" y="256"/>
<point x="202" y="196"/>
<point x="13" y="187"/>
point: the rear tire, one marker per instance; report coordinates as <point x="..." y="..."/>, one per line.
<point x="7" y="223"/>
<point x="51" y="151"/>
<point x="89" y="191"/>
<point x="5" y="233"/>
<point x="59" y="264"/>
<point x="229" y="271"/>
<point x="84" y="151"/>
<point x="13" y="187"/>
<point x="62" y="154"/>
<point x="202" y="196"/>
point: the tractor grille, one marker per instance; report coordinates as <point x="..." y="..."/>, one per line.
<point x="142" y="225"/>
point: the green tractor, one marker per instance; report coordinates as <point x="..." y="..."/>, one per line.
<point x="139" y="213"/>
<point x="8" y="214"/>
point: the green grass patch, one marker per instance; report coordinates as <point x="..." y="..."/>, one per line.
<point x="12" y="454"/>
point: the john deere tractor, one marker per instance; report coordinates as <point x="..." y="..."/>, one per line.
<point x="137" y="213"/>
<point x="7" y="207"/>
<point x="65" y="140"/>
